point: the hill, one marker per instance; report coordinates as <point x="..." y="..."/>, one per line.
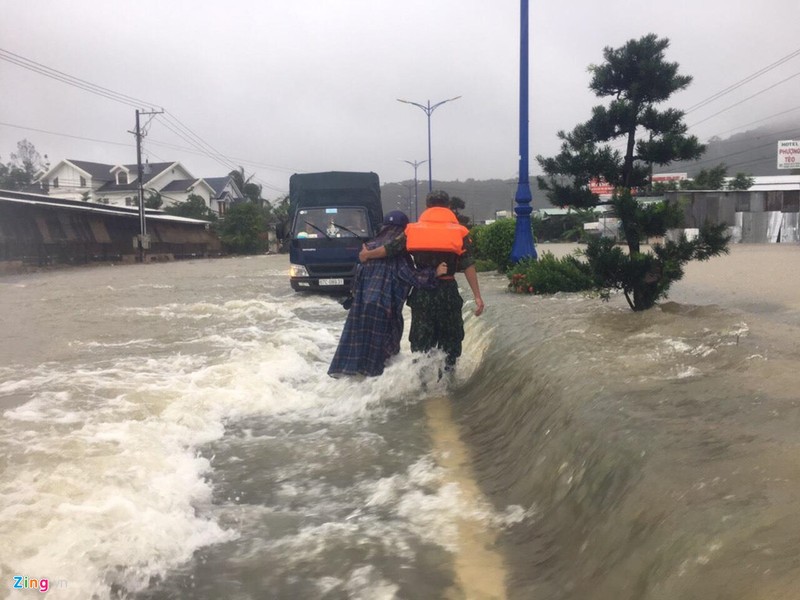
<point x="753" y="152"/>
<point x="482" y="197"/>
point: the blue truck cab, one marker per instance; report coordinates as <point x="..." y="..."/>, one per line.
<point x="333" y="214"/>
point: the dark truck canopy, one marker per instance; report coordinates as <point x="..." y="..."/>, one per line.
<point x="337" y="188"/>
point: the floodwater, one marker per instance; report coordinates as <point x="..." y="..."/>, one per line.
<point x="169" y="431"/>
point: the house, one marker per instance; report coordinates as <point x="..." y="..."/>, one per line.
<point x="118" y="184"/>
<point x="226" y="193"/>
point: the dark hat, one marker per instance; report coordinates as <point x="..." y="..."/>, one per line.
<point x="395" y="217"/>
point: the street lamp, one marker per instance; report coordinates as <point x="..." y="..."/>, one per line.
<point x="428" y="110"/>
<point x="523" y="246"/>
<point x="415" y="164"/>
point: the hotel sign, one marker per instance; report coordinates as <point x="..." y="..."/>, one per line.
<point x="789" y="154"/>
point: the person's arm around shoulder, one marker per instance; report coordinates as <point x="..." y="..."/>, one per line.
<point x="366" y="254"/>
<point x="390" y="249"/>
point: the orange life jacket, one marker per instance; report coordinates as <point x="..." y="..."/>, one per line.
<point x="437" y="230"/>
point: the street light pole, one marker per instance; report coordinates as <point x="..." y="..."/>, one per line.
<point x="428" y="109"/>
<point x="523" y="247"/>
<point x="416" y="164"/>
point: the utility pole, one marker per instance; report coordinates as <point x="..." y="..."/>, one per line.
<point x="415" y="164"/>
<point x="142" y="241"/>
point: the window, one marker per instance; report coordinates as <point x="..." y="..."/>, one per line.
<point x="129" y="201"/>
<point x="331" y="222"/>
<point x="122" y="178"/>
<point x="83" y="181"/>
<point x="55" y="182"/>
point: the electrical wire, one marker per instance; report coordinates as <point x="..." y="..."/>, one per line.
<point x="742" y="82"/>
<point x="36" y="67"/>
<point x="177" y="126"/>
<point x="774" y="85"/>
<point x="152" y="141"/>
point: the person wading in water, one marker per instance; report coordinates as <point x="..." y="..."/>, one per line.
<point x="436" y="320"/>
<point x="374" y="325"/>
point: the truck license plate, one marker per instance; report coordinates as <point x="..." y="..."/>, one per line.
<point x="331" y="281"/>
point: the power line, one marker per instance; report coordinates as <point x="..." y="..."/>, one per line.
<point x="75" y="137"/>
<point x="36" y="67"/>
<point x="177" y="126"/>
<point x="153" y="142"/>
<point x="618" y="145"/>
<point x="745" y="100"/>
<point x="741" y="82"/>
<point x="757" y="121"/>
<point x="748" y="149"/>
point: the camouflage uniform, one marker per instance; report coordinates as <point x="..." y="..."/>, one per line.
<point x="436" y="319"/>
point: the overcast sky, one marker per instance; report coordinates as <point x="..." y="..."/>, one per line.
<point x="284" y="86"/>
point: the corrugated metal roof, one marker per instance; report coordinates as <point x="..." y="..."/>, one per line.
<point x="78" y="205"/>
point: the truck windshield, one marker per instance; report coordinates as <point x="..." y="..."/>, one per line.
<point x="348" y="221"/>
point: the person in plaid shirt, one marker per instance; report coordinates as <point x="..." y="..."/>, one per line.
<point x="436" y="319"/>
<point x="374" y="325"/>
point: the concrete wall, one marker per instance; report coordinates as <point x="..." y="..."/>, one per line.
<point x="754" y="217"/>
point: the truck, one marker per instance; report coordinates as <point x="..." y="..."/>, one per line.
<point x="332" y="215"/>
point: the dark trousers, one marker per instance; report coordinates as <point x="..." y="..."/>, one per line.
<point x="436" y="320"/>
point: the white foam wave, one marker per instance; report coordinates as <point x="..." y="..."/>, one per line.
<point x="104" y="475"/>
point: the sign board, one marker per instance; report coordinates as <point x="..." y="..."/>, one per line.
<point x="789" y="154"/>
<point x="601" y="187"/>
<point x="667" y="177"/>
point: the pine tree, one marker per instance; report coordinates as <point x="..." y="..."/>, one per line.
<point x="636" y="78"/>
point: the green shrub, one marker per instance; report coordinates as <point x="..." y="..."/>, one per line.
<point x="241" y="231"/>
<point x="494" y="242"/>
<point x="549" y="275"/>
<point x="483" y="265"/>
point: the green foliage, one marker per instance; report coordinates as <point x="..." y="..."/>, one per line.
<point x="637" y="79"/>
<point x="742" y="181"/>
<point x="250" y="190"/>
<point x="483" y="265"/>
<point x="549" y="275"/>
<point x="707" y="179"/>
<point x="645" y="220"/>
<point x="194" y="208"/>
<point x="659" y="187"/>
<point x="494" y="242"/>
<point x="563" y="228"/>
<point x="645" y="278"/>
<point x="243" y="229"/>
<point x="154" y="200"/>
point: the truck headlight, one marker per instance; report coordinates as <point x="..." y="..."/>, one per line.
<point x="297" y="271"/>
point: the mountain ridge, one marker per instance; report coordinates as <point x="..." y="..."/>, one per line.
<point x="753" y="152"/>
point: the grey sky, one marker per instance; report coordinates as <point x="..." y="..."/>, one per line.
<point x="281" y="86"/>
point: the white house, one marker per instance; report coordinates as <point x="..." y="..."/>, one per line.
<point x="226" y="193"/>
<point x="118" y="184"/>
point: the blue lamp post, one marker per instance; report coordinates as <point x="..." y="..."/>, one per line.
<point x="523" y="236"/>
<point x="428" y="110"/>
